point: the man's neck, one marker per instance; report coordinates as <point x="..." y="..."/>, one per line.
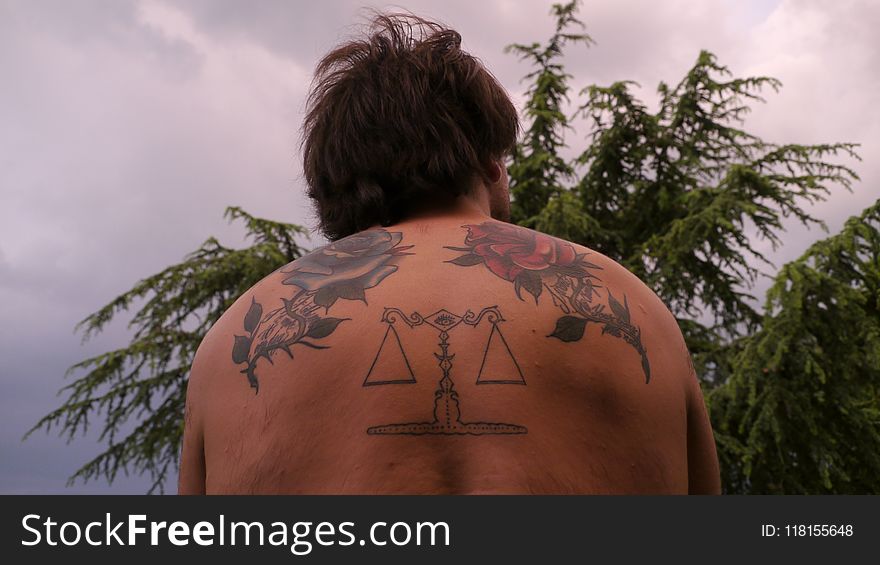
<point x="461" y="207"/>
<point x="464" y="209"/>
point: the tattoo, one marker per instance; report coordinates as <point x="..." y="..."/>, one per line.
<point x="535" y="262"/>
<point x="345" y="269"/>
<point x="391" y="366"/>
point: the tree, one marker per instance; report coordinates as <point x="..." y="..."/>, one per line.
<point x="680" y="196"/>
<point x="145" y="381"/>
<point x="537" y="170"/>
<point x="800" y="412"/>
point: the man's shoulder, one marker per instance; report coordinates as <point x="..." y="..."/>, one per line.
<point x="586" y="294"/>
<point x="522" y="255"/>
<point x="300" y="304"/>
<point x="340" y="270"/>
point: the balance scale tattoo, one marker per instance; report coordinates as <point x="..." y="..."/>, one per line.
<point x="447" y="417"/>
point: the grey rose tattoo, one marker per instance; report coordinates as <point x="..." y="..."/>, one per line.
<point x="345" y="270"/>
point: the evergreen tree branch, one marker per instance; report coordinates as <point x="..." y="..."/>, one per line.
<point x="145" y="381"/>
<point x="800" y="413"/>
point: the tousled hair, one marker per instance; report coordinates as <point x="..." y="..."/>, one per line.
<point x="396" y="119"/>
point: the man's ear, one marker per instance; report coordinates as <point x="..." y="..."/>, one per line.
<point x="493" y="170"/>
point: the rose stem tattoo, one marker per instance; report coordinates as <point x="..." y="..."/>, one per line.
<point x="533" y="261"/>
<point x="345" y="269"/>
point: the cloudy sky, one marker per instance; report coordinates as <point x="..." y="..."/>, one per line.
<point x="126" y="127"/>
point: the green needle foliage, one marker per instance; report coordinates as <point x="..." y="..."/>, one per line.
<point x="682" y="196"/>
<point x="800" y="413"/>
<point x="537" y="171"/>
<point x="145" y="382"/>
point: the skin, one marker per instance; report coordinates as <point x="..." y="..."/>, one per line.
<point x="593" y="413"/>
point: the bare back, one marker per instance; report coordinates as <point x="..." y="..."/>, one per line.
<point x="447" y="355"/>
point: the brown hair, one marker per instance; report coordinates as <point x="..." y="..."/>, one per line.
<point x="398" y="118"/>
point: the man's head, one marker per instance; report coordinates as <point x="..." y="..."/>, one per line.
<point x="400" y="120"/>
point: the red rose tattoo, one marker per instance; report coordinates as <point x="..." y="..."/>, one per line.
<point x="507" y="253"/>
<point x="524" y="257"/>
<point x="535" y="262"/>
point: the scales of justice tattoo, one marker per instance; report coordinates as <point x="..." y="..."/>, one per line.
<point x="391" y="366"/>
<point x="535" y="262"/>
